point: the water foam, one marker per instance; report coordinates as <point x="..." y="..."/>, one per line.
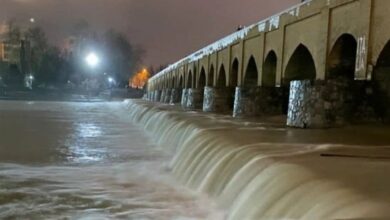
<point x="254" y="178"/>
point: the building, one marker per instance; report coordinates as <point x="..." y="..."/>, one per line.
<point x="14" y="53"/>
<point x="10" y="52"/>
<point x="2" y="51"/>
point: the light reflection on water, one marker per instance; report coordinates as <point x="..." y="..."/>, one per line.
<point x="88" y="130"/>
<point x="82" y="144"/>
<point x="79" y="161"/>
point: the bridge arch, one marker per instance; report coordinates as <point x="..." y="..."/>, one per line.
<point x="221" y="82"/>
<point x="301" y="65"/>
<point x="189" y="80"/>
<point x="381" y="79"/>
<point x="210" y="78"/>
<point x="234" y="73"/>
<point x="158" y="84"/>
<point x="269" y="70"/>
<point x="180" y="85"/>
<point x="194" y="77"/>
<point x="174" y="82"/>
<point x="251" y="74"/>
<point x="165" y="82"/>
<point x="383" y="58"/>
<point x="202" y="79"/>
<point x="341" y="61"/>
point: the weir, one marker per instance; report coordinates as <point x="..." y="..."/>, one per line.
<point x="263" y="170"/>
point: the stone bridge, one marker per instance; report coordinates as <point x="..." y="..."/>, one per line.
<point x="323" y="63"/>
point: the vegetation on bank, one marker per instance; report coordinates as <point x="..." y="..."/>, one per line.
<point x="32" y="56"/>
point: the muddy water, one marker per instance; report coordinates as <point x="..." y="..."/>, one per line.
<point x="86" y="161"/>
<point x="259" y="169"/>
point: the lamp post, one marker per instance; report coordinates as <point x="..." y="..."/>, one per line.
<point x="92" y="60"/>
<point x="29" y="81"/>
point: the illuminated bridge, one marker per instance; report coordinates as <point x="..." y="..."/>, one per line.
<point x="322" y="63"/>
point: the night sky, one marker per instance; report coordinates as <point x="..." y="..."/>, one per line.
<point x="166" y="29"/>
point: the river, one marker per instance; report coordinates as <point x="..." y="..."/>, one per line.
<point x="141" y="160"/>
<point x="86" y="160"/>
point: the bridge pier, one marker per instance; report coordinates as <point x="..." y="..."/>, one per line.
<point x="157" y="95"/>
<point x="269" y="101"/>
<point x="175" y="96"/>
<point x="194" y="99"/>
<point x="245" y="101"/>
<point x="368" y="102"/>
<point x="184" y="97"/>
<point x="217" y="99"/>
<point x="257" y="101"/>
<point x="167" y="96"/>
<point x="319" y="104"/>
<point x="162" y="96"/>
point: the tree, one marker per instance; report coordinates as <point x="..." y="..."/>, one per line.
<point x="50" y="66"/>
<point x="140" y="79"/>
<point x="39" y="46"/>
<point x="121" y="56"/>
<point x="14" y="34"/>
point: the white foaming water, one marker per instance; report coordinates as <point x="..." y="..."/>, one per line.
<point x="87" y="161"/>
<point x="262" y="171"/>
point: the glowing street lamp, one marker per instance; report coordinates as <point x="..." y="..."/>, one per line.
<point x="29" y="81"/>
<point x="92" y="60"/>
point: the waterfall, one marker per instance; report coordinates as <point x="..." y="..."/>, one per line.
<point x="254" y="172"/>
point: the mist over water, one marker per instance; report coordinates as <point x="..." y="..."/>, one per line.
<point x="86" y="161"/>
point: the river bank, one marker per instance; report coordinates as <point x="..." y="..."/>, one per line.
<point x="63" y="94"/>
<point x="262" y="170"/>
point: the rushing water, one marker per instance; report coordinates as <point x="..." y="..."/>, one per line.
<point x="262" y="170"/>
<point x="64" y="160"/>
<point x="95" y="161"/>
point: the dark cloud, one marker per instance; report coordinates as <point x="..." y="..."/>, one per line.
<point x="167" y="29"/>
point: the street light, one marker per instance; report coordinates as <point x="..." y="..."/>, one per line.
<point x="29" y="81"/>
<point x="92" y="60"/>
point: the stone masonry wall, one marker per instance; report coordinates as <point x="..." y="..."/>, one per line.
<point x="194" y="99"/>
<point x="184" y="98"/>
<point x="167" y="97"/>
<point x="162" y="97"/>
<point x="217" y="99"/>
<point x="257" y="101"/>
<point x="318" y="104"/>
<point x="157" y="95"/>
<point x="175" y="96"/>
